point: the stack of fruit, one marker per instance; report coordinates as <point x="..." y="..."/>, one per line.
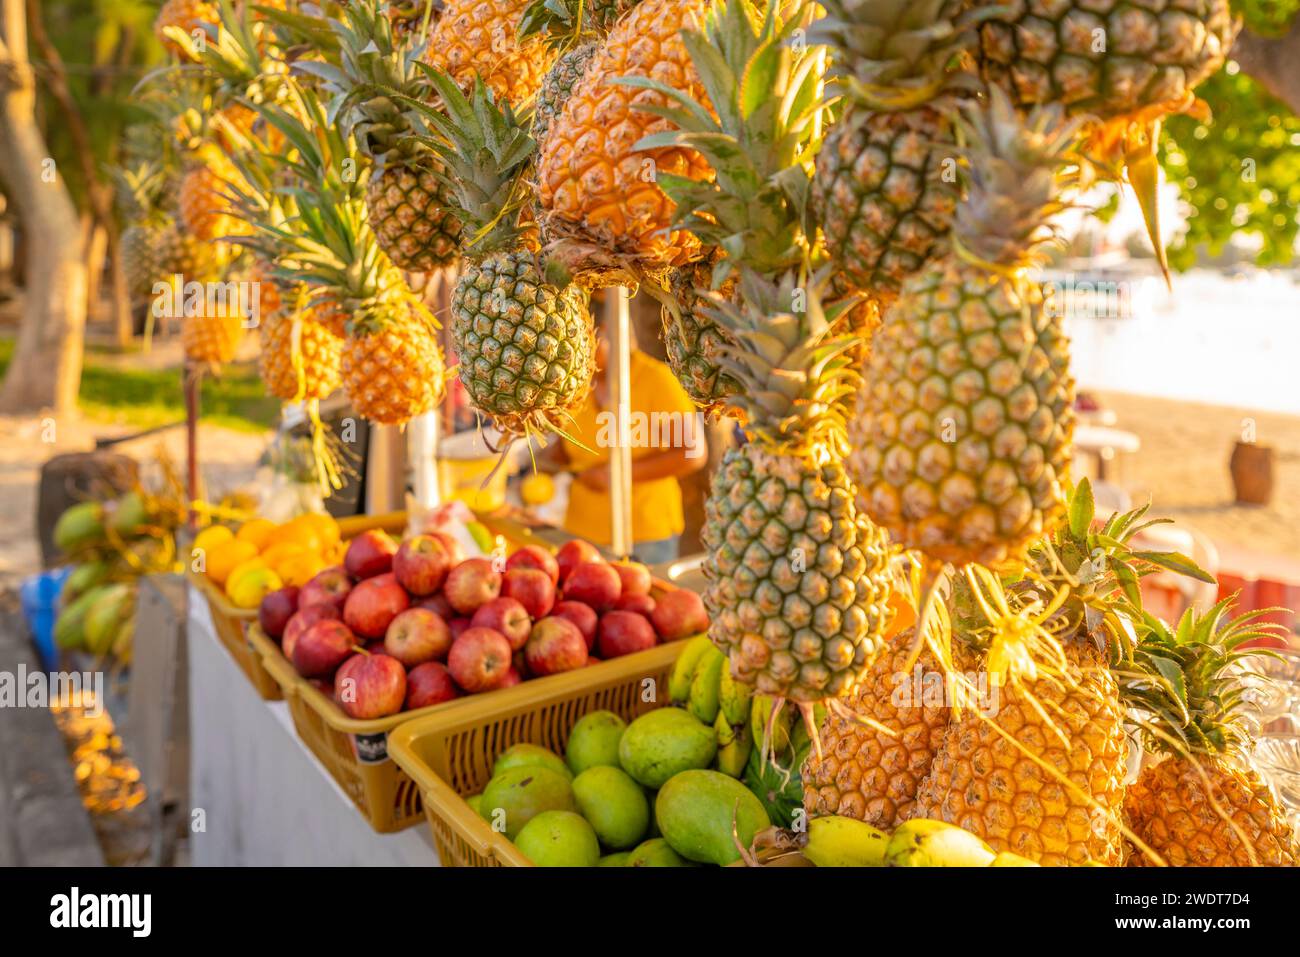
<point x="262" y="556"/>
<point x="401" y="626"/>
<point x="645" y="794"/>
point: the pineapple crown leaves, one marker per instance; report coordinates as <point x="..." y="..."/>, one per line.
<point x="237" y="57"/>
<point x="484" y="149"/>
<point x="1184" y="678"/>
<point x="1017" y="168"/>
<point x="789" y="354"/>
<point x="899" y="54"/>
<point x="760" y="136"/>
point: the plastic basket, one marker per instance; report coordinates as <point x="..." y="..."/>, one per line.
<point x="231" y="624"/>
<point x="450" y="753"/>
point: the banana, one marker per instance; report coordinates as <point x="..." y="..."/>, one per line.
<point x="845" y="842"/>
<point x="705" y="686"/>
<point x="679" y="682"/>
<point x="760" y="709"/>
<point x="926" y="843"/>
<point x="734" y="698"/>
<point x="1007" y="859"/>
<point x="734" y="745"/>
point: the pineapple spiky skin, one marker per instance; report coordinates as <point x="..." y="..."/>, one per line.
<point x="405" y="205"/>
<point x="211" y="339"/>
<point x="526" y="348"/>
<point x="798" y="583"/>
<point x="203" y="209"/>
<point x="885" y="191"/>
<point x="180" y="252"/>
<point x="594" y="187"/>
<point x="1171" y="809"/>
<point x="481" y="37"/>
<point x="188" y="16"/>
<point x="557" y="86"/>
<point x="299" y="358"/>
<point x="1155" y="52"/>
<point x="142" y="258"/>
<point x="692" y="339"/>
<point x="983" y="783"/>
<point x="865" y="773"/>
<point x="965" y="418"/>
<point x="391" y="366"/>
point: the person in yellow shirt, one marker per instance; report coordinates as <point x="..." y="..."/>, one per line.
<point x="666" y="435"/>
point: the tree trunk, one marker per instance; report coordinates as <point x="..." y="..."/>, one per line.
<point x="46" y="368"/>
<point x="123" y="324"/>
<point x="96" y="252"/>
<point x="1273" y="61"/>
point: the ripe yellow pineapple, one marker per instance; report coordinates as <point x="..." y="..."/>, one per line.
<point x="392" y="368"/>
<point x="204" y="207"/>
<point x="1204" y="804"/>
<point x="186" y="16"/>
<point x="481" y="37"/>
<point x="211" y="336"/>
<point x="595" y="188"/>
<point x="299" y="357"/>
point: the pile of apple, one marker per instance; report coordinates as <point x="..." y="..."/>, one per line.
<point x="399" y="627"/>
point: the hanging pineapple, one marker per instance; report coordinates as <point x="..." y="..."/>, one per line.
<point x="406" y="202"/>
<point x="762" y="159"/>
<point x="600" y="205"/>
<point x="1201" y="803"/>
<point x="481" y="38"/>
<point x="965" y="417"/>
<point x="886" y="183"/>
<point x="526" y="348"/>
<point x="187" y="16"/>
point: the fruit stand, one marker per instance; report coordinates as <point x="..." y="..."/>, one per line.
<point x="916" y="639"/>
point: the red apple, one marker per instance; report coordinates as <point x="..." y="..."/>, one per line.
<point x="507" y="616"/>
<point x="641" y="604"/>
<point x="429" y="683"/>
<point x="470" y="584"/>
<point x="454" y="551"/>
<point x="584" y="616"/>
<point x="512" y="678"/>
<point x="595" y="583"/>
<point x="623" y="632"/>
<point x="417" y="635"/>
<point x="276" y="609"/>
<point x="679" y="614"/>
<point x="635" y="577"/>
<point x="573" y="553"/>
<point x="479" y="659"/>
<point x="535" y="556"/>
<point x="555" y="645"/>
<point x="370" y="686"/>
<point x="532" y="587"/>
<point x="303" y="619"/>
<point x="439" y="605"/>
<point x="421" y="564"/>
<point x="373" y="605"/>
<point x="331" y="586"/>
<point x="370" y="554"/>
<point x="457" y="626"/>
<point x="322" y="648"/>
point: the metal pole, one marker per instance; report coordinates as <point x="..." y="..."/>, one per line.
<point x="422" y="448"/>
<point x="618" y="330"/>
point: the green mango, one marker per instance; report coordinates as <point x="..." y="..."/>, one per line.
<point x="594" y="741"/>
<point x="663" y="742"/>
<point x="114" y="605"/>
<point x="559" y="839"/>
<point x="82" y="578"/>
<point x="517" y="795"/>
<point x="70" y="626"/>
<point x="130" y="515"/>
<point x="615" y="805"/>
<point x="79" y="526"/>
<point x="614" y="860"/>
<point x="530" y="756"/>
<point x="655" y="852"/>
<point x="696" y="809"/>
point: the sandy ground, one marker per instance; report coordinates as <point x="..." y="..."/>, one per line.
<point x="1183" y="467"/>
<point x="229" y="461"/>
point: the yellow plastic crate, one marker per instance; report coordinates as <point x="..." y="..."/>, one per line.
<point x="449" y="754"/>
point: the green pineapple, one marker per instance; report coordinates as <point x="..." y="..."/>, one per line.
<point x="761" y="148"/>
<point x="526" y="347"/>
<point x="965" y="417"/>
<point x="886" y="183"/>
<point x="558" y="83"/>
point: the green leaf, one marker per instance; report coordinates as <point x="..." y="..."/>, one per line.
<point x="1177" y="562"/>
<point x="1082" y="509"/>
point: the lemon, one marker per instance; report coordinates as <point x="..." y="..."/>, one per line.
<point x="250" y="583"/>
<point x="212" y="536"/>
<point x="221" y="559"/>
<point x="537" y="489"/>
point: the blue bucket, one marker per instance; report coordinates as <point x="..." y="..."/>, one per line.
<point x="40" y="598"/>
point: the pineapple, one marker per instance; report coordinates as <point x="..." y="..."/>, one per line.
<point x="481" y="37"/>
<point x="526" y="348"/>
<point x="203" y="203"/>
<point x="406" y="201"/>
<point x="871" y="774"/>
<point x="763" y="161"/>
<point x="142" y="258"/>
<point x="886" y="184"/>
<point x="599" y="201"/>
<point x="558" y="85"/>
<point x="180" y="252"/>
<point x="798" y="578"/>
<point x="211" y="335"/>
<point x="186" y="16"/>
<point x="299" y="357"/>
<point x="965" y="417"/>
<point x="1203" y="805"/>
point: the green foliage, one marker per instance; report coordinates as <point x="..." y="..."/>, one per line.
<point x="1238" y="174"/>
<point x="1268" y="17"/>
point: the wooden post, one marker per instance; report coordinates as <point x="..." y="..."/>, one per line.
<point x="618" y="330"/>
<point x="191" y="386"/>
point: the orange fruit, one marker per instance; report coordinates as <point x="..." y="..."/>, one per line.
<point x="298" y="532"/>
<point x="256" y="530"/>
<point x="212" y="536"/>
<point x="274" y="554"/>
<point x="250" y="583"/>
<point x="299" y="569"/>
<point x="221" y="560"/>
<point x="325" y="526"/>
